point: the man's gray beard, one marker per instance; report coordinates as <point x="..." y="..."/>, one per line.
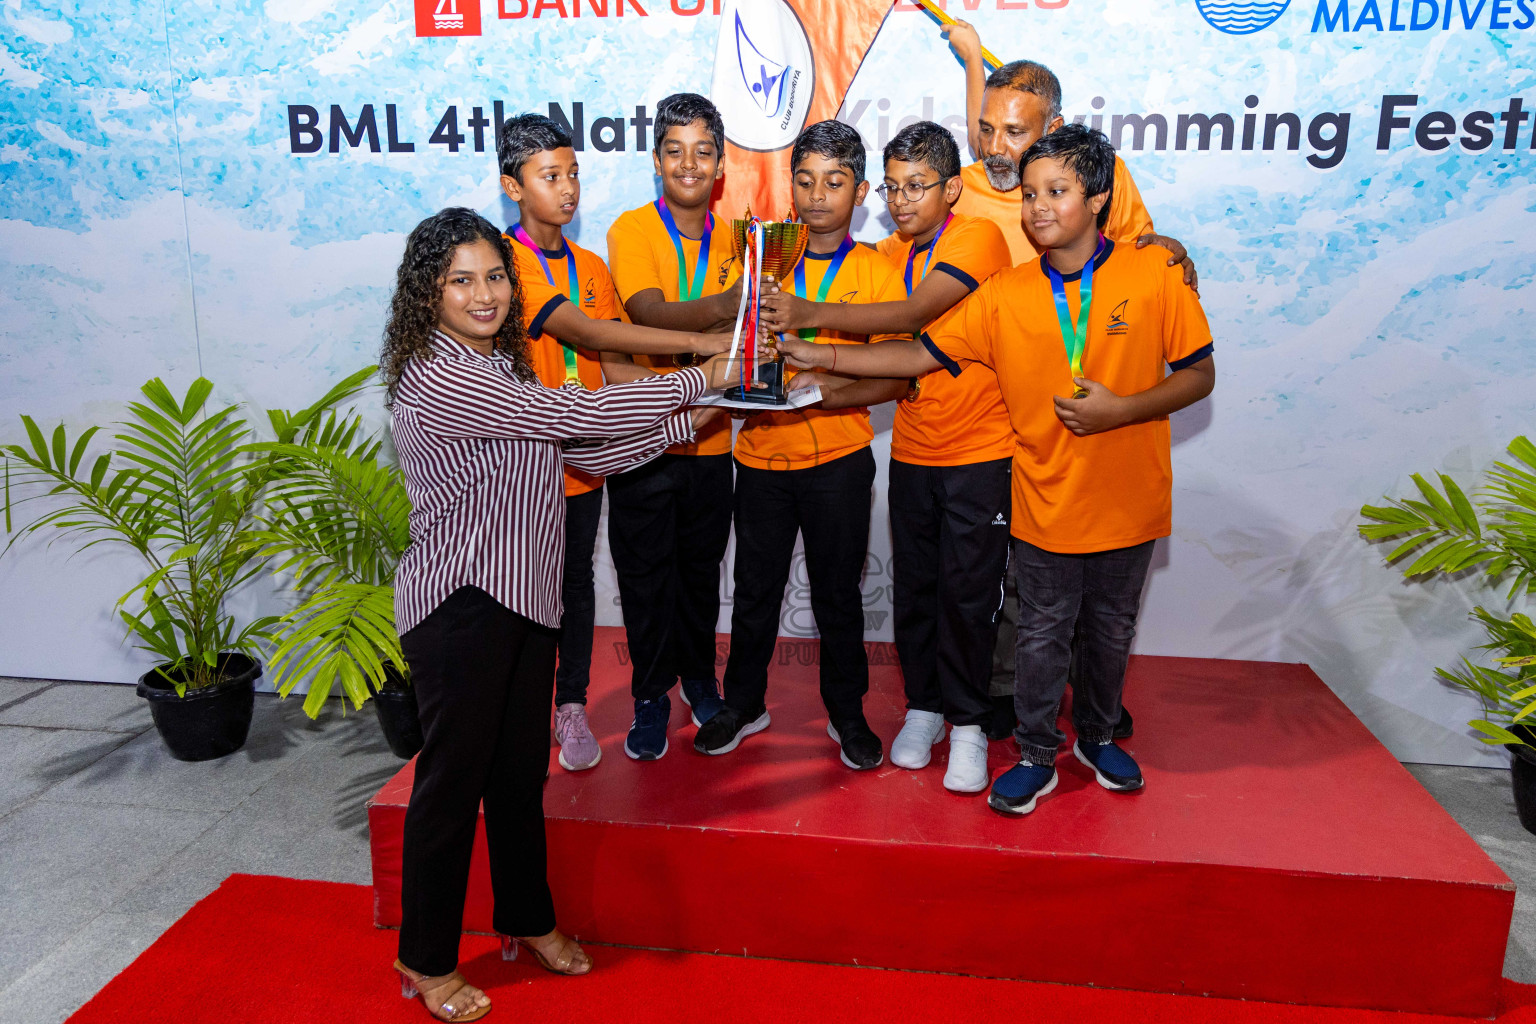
<point x="1002" y="174"/>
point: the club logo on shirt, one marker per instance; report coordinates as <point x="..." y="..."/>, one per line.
<point x="1117" y="325"/>
<point x="589" y="296"/>
<point x="847" y="297"/>
<point x="447" y="17"/>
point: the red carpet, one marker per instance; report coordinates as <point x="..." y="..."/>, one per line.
<point x="264" y="950"/>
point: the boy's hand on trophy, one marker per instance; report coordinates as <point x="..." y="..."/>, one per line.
<point x="1093" y="410"/>
<point x="816" y="379"/>
<point x="802" y="355"/>
<point x="784" y="311"/>
<point x="710" y="344"/>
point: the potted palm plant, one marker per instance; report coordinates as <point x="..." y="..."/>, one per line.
<point x="337" y="520"/>
<point x="180" y="490"/>
<point x="1445" y="532"/>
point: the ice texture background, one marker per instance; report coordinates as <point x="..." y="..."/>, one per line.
<point x="1369" y="319"/>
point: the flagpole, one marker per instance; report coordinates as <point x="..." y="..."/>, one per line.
<point x="944" y="19"/>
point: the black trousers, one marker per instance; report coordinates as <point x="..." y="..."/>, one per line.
<point x="669" y="522"/>
<point x="949" y="552"/>
<point x="828" y="505"/>
<point x="577" y="595"/>
<point x="1077" y="618"/>
<point x="482" y="676"/>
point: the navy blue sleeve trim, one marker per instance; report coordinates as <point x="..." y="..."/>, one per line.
<point x="537" y="327"/>
<point x="955" y="272"/>
<point x="938" y="353"/>
<point x="1193" y="358"/>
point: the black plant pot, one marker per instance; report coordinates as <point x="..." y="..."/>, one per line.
<point x="395" y="705"/>
<point x="208" y="722"/>
<point x="1524" y="777"/>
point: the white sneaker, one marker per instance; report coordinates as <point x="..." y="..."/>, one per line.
<point x="913" y="747"/>
<point x="967" y="760"/>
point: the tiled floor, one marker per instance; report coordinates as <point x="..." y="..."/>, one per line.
<point x="105" y="840"/>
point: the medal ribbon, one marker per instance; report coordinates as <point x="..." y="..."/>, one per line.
<point x="933" y="247"/>
<point x="1074" y="336"/>
<point x="572" y="377"/>
<point x="688" y="292"/>
<point x="809" y="333"/>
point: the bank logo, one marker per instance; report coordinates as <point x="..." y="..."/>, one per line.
<point x="1241" y="17"/>
<point x="447" y="17"/>
<point x="764" y="75"/>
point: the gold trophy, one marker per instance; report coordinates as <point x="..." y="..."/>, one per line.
<point x="763" y="247"/>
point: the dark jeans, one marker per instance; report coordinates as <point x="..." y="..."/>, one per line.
<point x="669" y="522"/>
<point x="1096" y="597"/>
<point x="577" y="595"/>
<point x="482" y="677"/>
<point x="829" y="506"/>
<point x="949" y="552"/>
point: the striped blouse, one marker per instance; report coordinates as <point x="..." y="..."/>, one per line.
<point x="482" y="454"/>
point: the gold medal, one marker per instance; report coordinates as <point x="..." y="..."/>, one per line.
<point x="914" y="388"/>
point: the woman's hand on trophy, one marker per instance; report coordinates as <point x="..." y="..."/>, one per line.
<point x="785" y="311"/>
<point x="725" y="369"/>
<point x="803" y="355"/>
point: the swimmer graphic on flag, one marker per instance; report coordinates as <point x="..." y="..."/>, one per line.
<point x="779" y="66"/>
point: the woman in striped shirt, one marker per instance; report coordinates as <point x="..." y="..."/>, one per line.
<point x="477" y="597"/>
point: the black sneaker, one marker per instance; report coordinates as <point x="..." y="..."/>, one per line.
<point x="726" y="729"/>
<point x="647" y="739"/>
<point x="859" y="747"/>
<point x="1125" y="728"/>
<point x="1002" y="722"/>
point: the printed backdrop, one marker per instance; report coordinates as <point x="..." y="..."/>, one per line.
<point x="224" y="188"/>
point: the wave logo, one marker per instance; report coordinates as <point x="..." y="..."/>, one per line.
<point x="1241" y="17"/>
<point x="764" y="75"/>
<point x="447" y="17"/>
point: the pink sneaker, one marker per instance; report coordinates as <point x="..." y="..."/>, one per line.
<point x="578" y="747"/>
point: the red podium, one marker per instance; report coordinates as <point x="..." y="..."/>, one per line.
<point x="1278" y="852"/>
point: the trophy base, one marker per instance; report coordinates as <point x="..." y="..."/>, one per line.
<point x="766" y="389"/>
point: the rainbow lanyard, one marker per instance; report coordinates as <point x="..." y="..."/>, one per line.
<point x="809" y="333"/>
<point x="933" y="247"/>
<point x="572" y="377"/>
<point x="685" y="291"/>
<point x="1074" y="336"/>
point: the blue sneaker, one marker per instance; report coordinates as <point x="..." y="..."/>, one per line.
<point x="1017" y="789"/>
<point x="1114" y="768"/>
<point x="647" y="739"/>
<point x="703" y="696"/>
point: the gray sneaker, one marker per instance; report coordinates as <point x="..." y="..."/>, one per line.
<point x="578" y="747"/>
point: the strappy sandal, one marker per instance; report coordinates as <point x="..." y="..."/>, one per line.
<point x="567" y="962"/>
<point x="411" y="987"/>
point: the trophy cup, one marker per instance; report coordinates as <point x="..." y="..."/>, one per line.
<point x="762" y="247"/>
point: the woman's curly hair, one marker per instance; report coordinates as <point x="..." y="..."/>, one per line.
<point x="414" y="308"/>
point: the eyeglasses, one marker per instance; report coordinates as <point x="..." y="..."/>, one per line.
<point x="912" y="191"/>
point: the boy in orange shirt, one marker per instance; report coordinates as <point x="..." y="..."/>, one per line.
<point x="1079" y="341"/>
<point x="951" y="448"/>
<point x="810" y="472"/>
<point x="570" y="309"/>
<point x="669" y="521"/>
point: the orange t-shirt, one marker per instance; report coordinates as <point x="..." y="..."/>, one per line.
<point x="594" y="289"/>
<point x="1128" y="216"/>
<point x="1075" y="495"/>
<point x="642" y="256"/>
<point x="808" y="437"/>
<point x="953" y="421"/>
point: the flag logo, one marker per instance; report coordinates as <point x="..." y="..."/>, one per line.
<point x="764" y="75"/>
<point x="447" y="17"/>
<point x="1241" y="17"/>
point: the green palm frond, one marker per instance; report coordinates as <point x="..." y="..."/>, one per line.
<point x="344" y="633"/>
<point x="1446" y="532"/>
